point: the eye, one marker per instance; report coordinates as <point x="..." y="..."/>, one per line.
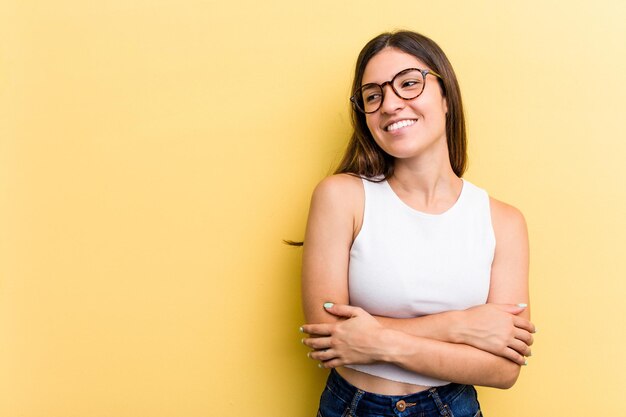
<point x="371" y="93"/>
<point x="371" y="97"/>
<point x="410" y="83"/>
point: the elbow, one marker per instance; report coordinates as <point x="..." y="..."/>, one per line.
<point x="506" y="376"/>
<point x="508" y="381"/>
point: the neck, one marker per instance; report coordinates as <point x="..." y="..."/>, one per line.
<point x="427" y="185"/>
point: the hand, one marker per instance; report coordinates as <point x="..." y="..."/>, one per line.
<point x="497" y="329"/>
<point x="353" y="340"/>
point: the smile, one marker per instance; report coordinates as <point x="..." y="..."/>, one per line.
<point x="400" y="125"/>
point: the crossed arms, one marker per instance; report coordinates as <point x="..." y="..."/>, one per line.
<point x="483" y="345"/>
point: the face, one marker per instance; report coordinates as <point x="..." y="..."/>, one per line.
<point x="406" y="128"/>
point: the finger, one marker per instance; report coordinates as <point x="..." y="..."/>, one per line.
<point x="322" y="355"/>
<point x="342" y="310"/>
<point x="324" y="329"/>
<point x="514" y="356"/>
<point x="522" y="323"/>
<point x="333" y="363"/>
<point x="317" y="343"/>
<point x="524" y="336"/>
<point x="514" y="309"/>
<point x="520" y="347"/>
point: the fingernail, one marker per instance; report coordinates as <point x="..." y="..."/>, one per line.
<point x="535" y="330"/>
<point x="321" y="366"/>
<point x="302" y="341"/>
<point x="328" y="305"/>
<point x="522" y="305"/>
<point x="525" y="363"/>
<point x="301" y="329"/>
<point x="529" y="354"/>
<point x="308" y="355"/>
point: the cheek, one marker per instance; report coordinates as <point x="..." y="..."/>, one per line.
<point x="371" y="124"/>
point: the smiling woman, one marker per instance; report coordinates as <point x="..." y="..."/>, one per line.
<point x="407" y="123"/>
<point x="415" y="281"/>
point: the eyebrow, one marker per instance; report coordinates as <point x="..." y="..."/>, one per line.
<point x="374" y="82"/>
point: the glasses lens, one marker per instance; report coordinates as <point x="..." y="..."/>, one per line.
<point x="409" y="84"/>
<point x="369" y="97"/>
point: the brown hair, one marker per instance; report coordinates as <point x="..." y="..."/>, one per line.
<point x="363" y="157"/>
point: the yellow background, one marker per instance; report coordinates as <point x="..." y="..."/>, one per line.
<point x="153" y="154"/>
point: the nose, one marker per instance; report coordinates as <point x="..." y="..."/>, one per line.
<point x="391" y="102"/>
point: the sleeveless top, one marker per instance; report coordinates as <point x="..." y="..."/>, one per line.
<point x="405" y="263"/>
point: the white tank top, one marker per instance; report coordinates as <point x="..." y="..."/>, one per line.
<point x="405" y="263"/>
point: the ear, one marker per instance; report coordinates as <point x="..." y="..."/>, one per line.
<point x="445" y="105"/>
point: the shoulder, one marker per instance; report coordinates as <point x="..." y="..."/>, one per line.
<point x="507" y="221"/>
<point x="339" y="189"/>
<point x="339" y="201"/>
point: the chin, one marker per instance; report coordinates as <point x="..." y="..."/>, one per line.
<point x="404" y="152"/>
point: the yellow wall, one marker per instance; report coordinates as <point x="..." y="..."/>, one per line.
<point x="153" y="154"/>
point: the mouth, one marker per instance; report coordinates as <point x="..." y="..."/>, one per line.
<point x="399" y="125"/>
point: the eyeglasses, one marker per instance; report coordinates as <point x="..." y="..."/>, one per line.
<point x="407" y="84"/>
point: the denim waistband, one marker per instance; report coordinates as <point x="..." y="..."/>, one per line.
<point x="421" y="402"/>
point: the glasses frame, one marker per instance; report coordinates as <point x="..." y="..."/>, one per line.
<point x="424" y="73"/>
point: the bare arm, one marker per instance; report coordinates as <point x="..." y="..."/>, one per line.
<point x="495" y="328"/>
<point x="362" y="339"/>
<point x="331" y="227"/>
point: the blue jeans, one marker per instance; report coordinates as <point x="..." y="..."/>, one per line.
<point x="341" y="399"/>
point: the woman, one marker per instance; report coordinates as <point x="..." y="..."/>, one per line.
<point x="415" y="281"/>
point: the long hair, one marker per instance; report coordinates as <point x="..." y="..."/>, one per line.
<point x="363" y="156"/>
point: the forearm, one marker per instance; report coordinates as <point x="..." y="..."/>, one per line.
<point x="500" y="329"/>
<point x="361" y="339"/>
<point x="440" y="326"/>
<point x="448" y="361"/>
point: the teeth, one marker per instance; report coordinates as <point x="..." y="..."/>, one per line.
<point x="400" y="124"/>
